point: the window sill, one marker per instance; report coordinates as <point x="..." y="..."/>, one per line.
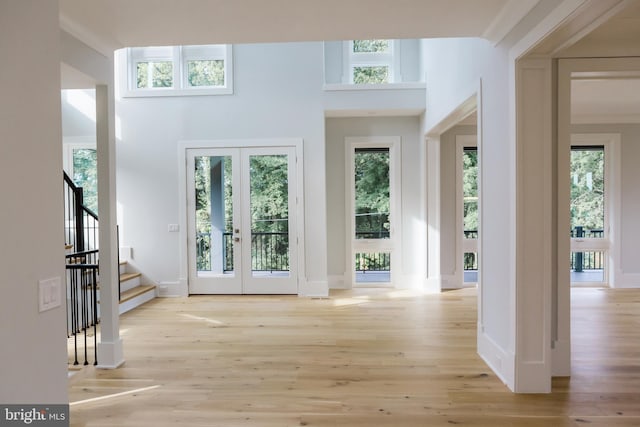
<point x="152" y="93"/>
<point x="387" y="86"/>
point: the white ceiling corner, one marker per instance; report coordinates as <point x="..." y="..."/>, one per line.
<point x="507" y="18"/>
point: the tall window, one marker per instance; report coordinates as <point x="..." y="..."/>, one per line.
<point x="179" y="70"/>
<point x="371" y="61"/>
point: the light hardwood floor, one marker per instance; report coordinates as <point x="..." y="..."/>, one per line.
<point x="370" y="357"/>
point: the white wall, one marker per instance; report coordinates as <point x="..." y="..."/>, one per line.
<point x="277" y="93"/>
<point x="412" y="270"/>
<point x="33" y="350"/>
<point x="630" y="196"/>
<point x="455" y="70"/>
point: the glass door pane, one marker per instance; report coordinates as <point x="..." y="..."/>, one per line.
<point x="588" y="214"/>
<point x="372" y="214"/>
<point x="470" y="213"/>
<point x="269" y="201"/>
<point x="214" y="215"/>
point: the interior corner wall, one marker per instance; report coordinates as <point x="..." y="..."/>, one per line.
<point x="448" y="202"/>
<point x="277" y="93"/>
<point x="34" y="345"/>
<point x="455" y="70"/>
<point x="630" y="196"/>
<point x="413" y="269"/>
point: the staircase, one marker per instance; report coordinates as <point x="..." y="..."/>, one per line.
<point x="81" y="229"/>
<point x="132" y="292"/>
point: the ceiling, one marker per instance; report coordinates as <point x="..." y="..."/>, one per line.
<point x="111" y="24"/>
<point x="107" y="25"/>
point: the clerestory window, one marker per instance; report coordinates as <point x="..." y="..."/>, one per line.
<point x="371" y="61"/>
<point x="179" y="70"/>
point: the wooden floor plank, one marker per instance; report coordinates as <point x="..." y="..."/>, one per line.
<point x="368" y="357"/>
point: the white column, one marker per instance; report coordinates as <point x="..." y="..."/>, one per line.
<point x="535" y="232"/>
<point x="110" y="353"/>
<point x="433" y="214"/>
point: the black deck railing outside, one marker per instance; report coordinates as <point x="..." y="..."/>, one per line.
<point x="589" y="260"/>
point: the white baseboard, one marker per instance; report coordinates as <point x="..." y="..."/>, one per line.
<point x="338" y="282"/>
<point x="499" y="360"/>
<point x="561" y="359"/>
<point x="433" y="284"/>
<point x="172" y="289"/>
<point x="110" y="354"/>
<point x="627" y="281"/>
<point x="314" y="289"/>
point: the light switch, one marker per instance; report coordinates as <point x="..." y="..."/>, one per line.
<point x="173" y="228"/>
<point x="49" y="293"/>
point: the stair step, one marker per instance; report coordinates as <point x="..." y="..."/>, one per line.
<point x="128" y="276"/>
<point x="132" y="293"/>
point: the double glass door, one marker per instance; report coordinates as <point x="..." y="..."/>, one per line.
<point x="242" y="220"/>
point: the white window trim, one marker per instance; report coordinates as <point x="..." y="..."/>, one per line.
<point x="75" y="143"/>
<point x="179" y="56"/>
<point x="393" y="243"/>
<point x="610" y="244"/>
<point x="391" y="59"/>
<point x="462" y="244"/>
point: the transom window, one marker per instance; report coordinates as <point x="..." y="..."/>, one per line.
<point x="371" y="61"/>
<point x="179" y="70"/>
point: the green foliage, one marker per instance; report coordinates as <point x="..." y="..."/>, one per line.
<point x="206" y="73"/>
<point x="371" y="75"/>
<point x="85" y="175"/>
<point x="269" y="193"/>
<point x="161" y="74"/>
<point x="587" y="188"/>
<point x="269" y="211"/>
<point x="370" y="46"/>
<point x="372" y="193"/>
<point x="470" y="189"/>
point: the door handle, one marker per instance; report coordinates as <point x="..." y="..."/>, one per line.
<point x="236" y="239"/>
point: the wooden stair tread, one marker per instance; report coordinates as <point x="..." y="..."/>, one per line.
<point x="132" y="293"/>
<point x="129" y="276"/>
<point x="125" y="262"/>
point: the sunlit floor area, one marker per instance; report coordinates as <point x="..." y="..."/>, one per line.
<point x="368" y="357"/>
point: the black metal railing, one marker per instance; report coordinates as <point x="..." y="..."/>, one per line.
<point x="269" y="251"/>
<point x="470" y="259"/>
<point x="82" y="303"/>
<point x="81" y="230"/>
<point x="588" y="260"/>
<point x="376" y="261"/>
<point x="80" y="223"/>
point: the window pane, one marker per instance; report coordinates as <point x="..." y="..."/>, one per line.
<point x="587" y="266"/>
<point x="85" y="175"/>
<point x="370" y="46"/>
<point x="470" y="192"/>
<point x="206" y="72"/>
<point x="371" y="74"/>
<point x="373" y="267"/>
<point x="154" y="74"/>
<point x="371" y="167"/>
<point x="587" y="192"/>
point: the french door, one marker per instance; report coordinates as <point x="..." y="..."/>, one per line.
<point x="241" y="220"/>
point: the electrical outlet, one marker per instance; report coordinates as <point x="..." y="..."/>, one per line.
<point x="49" y="294"/>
